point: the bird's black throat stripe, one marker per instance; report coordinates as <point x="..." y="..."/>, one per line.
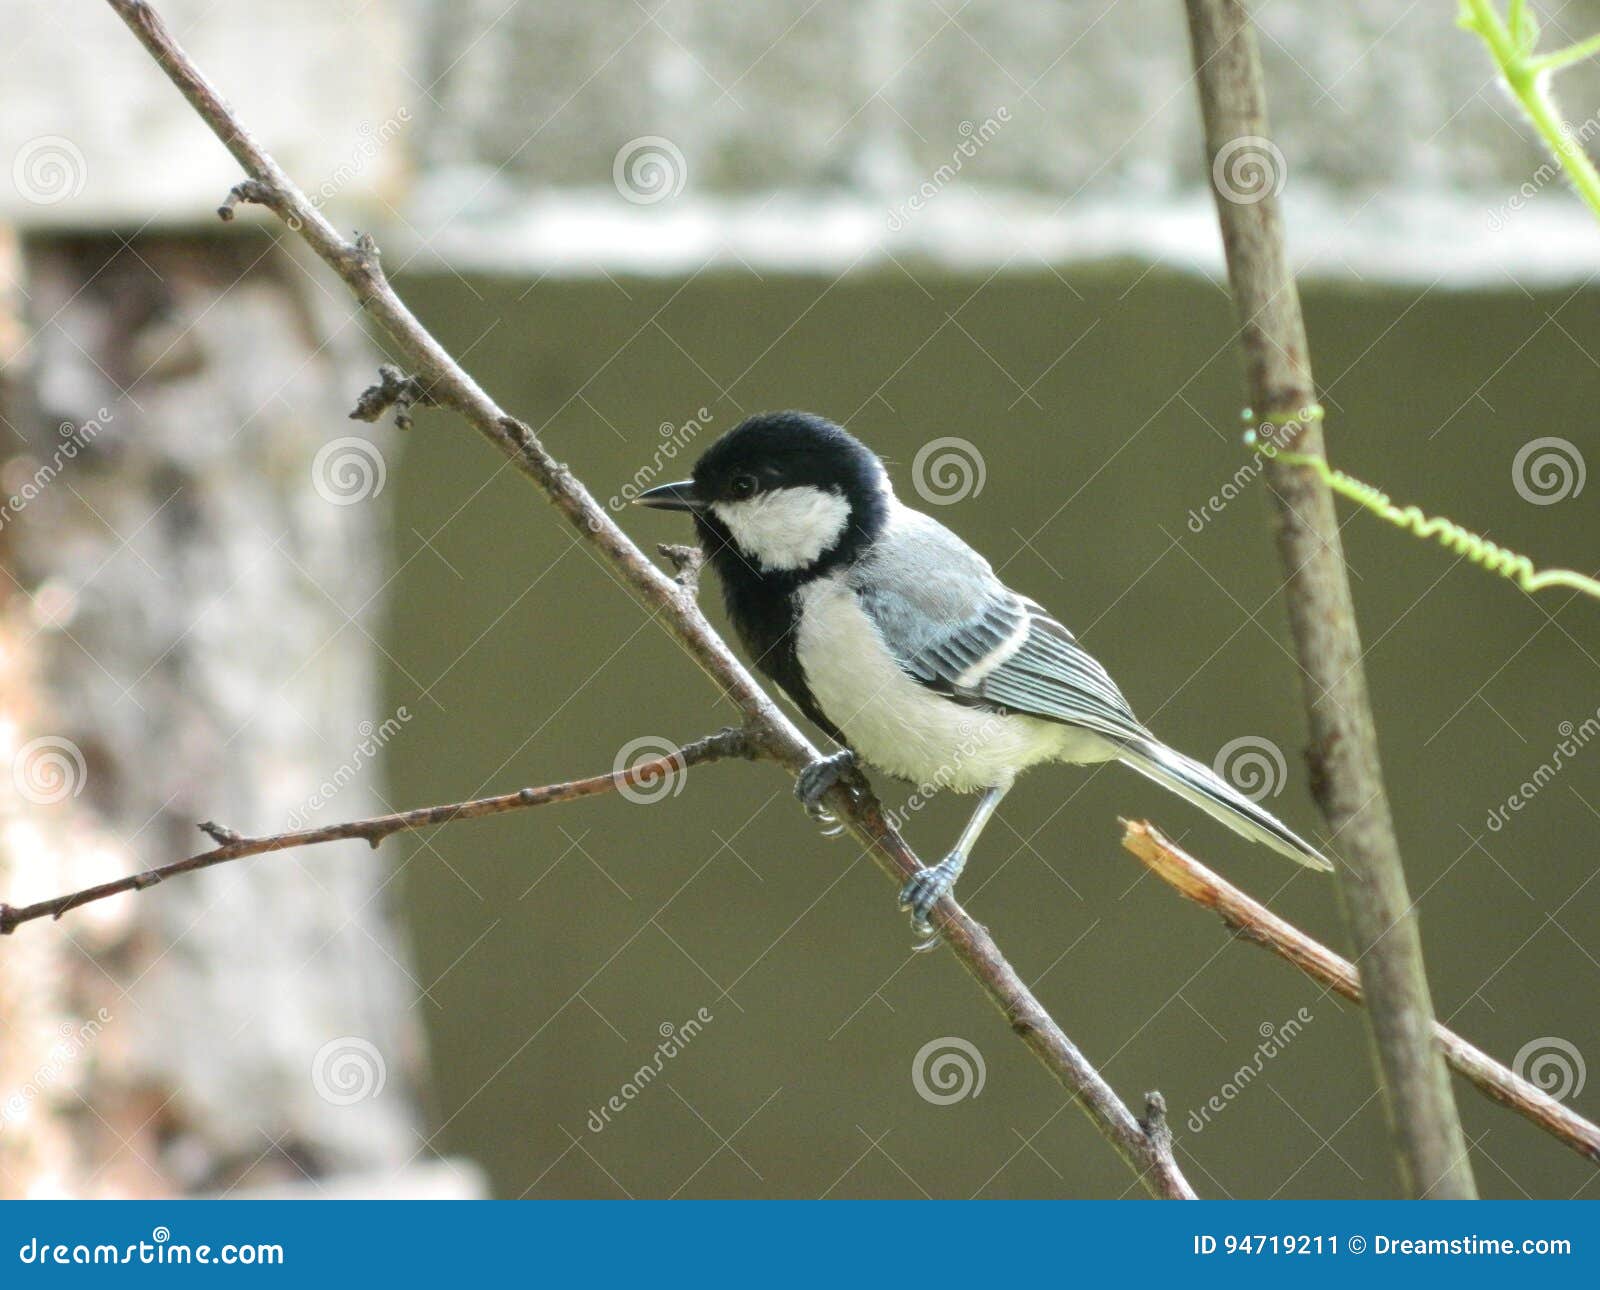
<point x="764" y="605"/>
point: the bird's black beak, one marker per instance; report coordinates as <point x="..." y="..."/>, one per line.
<point x="672" y="497"/>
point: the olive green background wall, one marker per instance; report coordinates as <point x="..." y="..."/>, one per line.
<point x="557" y="944"/>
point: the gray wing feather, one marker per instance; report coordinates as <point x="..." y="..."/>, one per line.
<point x="942" y="612"/>
<point x="1051" y="675"/>
<point x="955" y="627"/>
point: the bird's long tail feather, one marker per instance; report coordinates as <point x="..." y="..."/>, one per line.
<point x="1201" y="785"/>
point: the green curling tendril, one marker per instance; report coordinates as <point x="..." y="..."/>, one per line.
<point x="1510" y="565"/>
<point x="1511" y="41"/>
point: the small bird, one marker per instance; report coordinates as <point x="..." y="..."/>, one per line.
<point x="898" y="639"/>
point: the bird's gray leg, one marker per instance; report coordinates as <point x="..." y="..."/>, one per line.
<point x="928" y="886"/>
<point x="817" y="778"/>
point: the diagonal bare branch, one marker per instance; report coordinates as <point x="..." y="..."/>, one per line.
<point x="1254" y="922"/>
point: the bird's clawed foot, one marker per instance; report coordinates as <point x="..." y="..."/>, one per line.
<point x="813" y="783"/>
<point x="925" y="889"/>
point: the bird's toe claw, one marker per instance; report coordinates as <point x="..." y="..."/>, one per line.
<point x="832" y="826"/>
<point x="813" y="783"/>
<point x="925" y="889"/>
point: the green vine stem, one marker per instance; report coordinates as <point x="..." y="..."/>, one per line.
<point x="1510" y="42"/>
<point x="1479" y="550"/>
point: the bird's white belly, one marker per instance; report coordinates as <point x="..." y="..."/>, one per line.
<point x="901" y="726"/>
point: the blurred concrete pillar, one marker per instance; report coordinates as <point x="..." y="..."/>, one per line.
<point x="193" y="541"/>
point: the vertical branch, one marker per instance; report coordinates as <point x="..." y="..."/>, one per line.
<point x="1347" y="778"/>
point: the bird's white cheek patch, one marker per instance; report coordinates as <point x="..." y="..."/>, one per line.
<point x="787" y="528"/>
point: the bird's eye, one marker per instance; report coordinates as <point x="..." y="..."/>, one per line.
<point x="743" y="486"/>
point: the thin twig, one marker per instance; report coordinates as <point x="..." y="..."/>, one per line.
<point x="688" y="561"/>
<point x="671" y="604"/>
<point x="235" y="846"/>
<point x="394" y="390"/>
<point x="1254" y="922"/>
<point x="1346" y="775"/>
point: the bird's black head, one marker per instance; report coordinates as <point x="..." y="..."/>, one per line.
<point x="784" y="496"/>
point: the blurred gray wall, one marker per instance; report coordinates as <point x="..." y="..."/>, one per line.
<point x="816" y="137"/>
<point x="824" y="136"/>
<point x="93" y="134"/>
